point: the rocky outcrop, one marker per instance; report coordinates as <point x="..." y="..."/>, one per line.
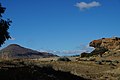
<point x="105" y="44"/>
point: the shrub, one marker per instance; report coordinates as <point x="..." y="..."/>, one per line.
<point x="84" y="54"/>
<point x="103" y="60"/>
<point x="98" y="62"/>
<point x="108" y="61"/>
<point x="115" y="61"/>
<point x="91" y="59"/>
<point x="111" y="64"/>
<point x="63" y="59"/>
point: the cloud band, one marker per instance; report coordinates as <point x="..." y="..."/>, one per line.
<point x="84" y="5"/>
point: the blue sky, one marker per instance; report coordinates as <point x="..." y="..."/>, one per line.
<point x="61" y="25"/>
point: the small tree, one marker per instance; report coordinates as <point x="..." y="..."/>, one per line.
<point x="4" y="26"/>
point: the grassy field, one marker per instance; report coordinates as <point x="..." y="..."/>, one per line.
<point x="85" y="69"/>
<point x="27" y="70"/>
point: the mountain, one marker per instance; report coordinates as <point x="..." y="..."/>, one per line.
<point x="17" y="51"/>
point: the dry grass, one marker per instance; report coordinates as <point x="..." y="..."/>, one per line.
<point x="87" y="69"/>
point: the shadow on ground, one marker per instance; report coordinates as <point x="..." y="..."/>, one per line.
<point x="33" y="72"/>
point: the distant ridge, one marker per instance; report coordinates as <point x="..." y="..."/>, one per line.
<point x="17" y="51"/>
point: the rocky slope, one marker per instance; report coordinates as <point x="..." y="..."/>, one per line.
<point x="106" y="46"/>
<point x="17" y="51"/>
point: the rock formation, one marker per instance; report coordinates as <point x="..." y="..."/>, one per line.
<point x="105" y="45"/>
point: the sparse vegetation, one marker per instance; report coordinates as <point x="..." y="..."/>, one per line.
<point x="19" y="63"/>
<point x="83" y="69"/>
<point x="9" y="71"/>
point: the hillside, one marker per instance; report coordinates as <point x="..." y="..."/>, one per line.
<point x="17" y="51"/>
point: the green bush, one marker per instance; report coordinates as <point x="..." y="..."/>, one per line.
<point x="63" y="59"/>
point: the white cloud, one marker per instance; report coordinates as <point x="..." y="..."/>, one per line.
<point x="85" y="48"/>
<point x="63" y="52"/>
<point x="72" y="51"/>
<point x="84" y="5"/>
<point x="81" y="48"/>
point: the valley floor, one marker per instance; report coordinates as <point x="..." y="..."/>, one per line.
<point x="79" y="70"/>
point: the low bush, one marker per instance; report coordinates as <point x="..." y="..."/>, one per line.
<point x="84" y="54"/>
<point x="98" y="62"/>
<point x="115" y="61"/>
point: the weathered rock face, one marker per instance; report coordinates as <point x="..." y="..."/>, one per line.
<point x="105" y="44"/>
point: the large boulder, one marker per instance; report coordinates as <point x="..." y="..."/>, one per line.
<point x="105" y="44"/>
